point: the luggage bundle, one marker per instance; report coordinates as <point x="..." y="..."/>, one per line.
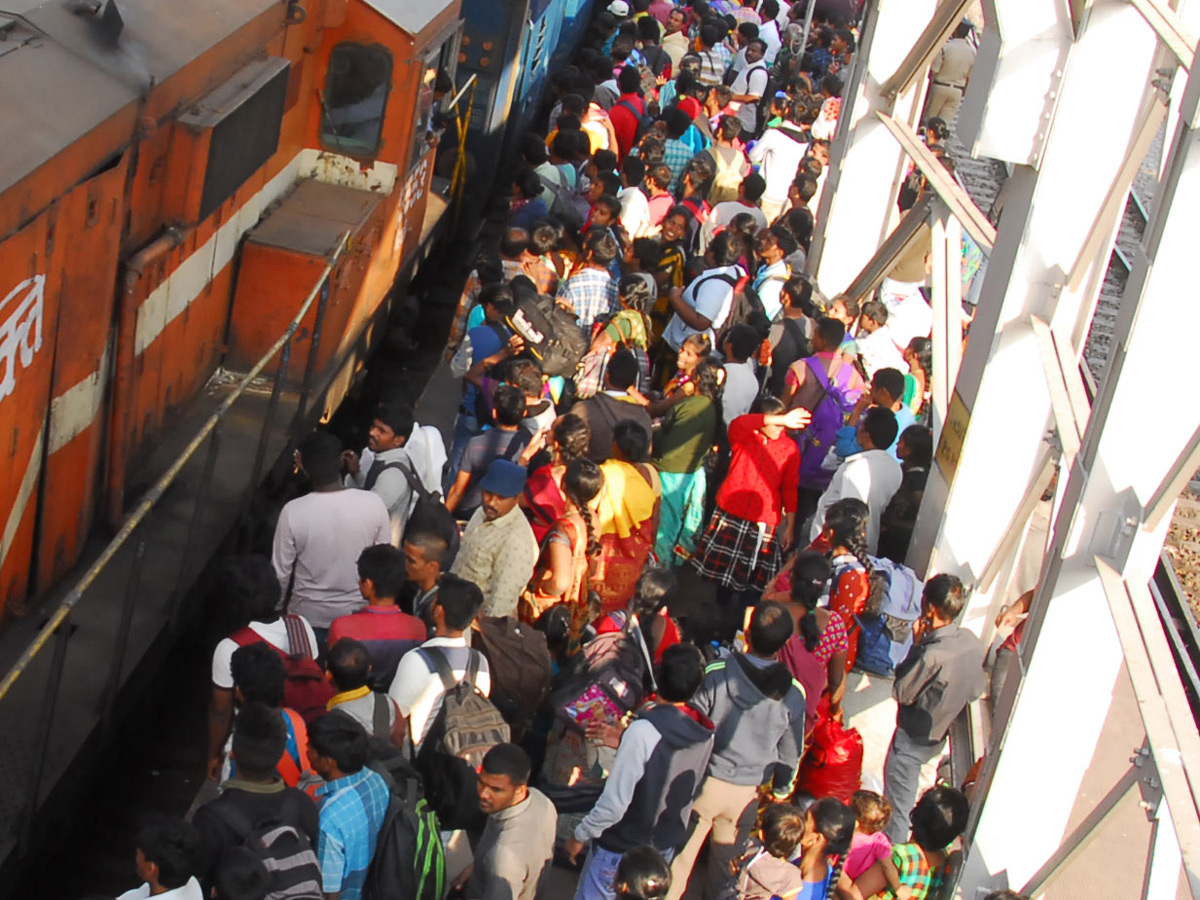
<point x="832" y="766"/>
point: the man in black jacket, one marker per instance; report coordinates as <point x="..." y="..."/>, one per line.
<point x="942" y="673"/>
<point x="648" y="796"/>
<point x="257" y="797"/>
<point x="612" y="406"/>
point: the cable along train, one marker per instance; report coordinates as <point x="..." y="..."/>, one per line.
<point x="173" y="180"/>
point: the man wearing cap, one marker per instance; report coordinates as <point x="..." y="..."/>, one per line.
<point x="498" y="549"/>
<point x="620" y="10"/>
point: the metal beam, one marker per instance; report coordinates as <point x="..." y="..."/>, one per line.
<point x="1152" y="117"/>
<point x="890" y="250"/>
<point x="1098" y="530"/>
<point x="962" y="207"/>
<point x="1071" y="421"/>
<point x="1162" y="501"/>
<point x="945" y="19"/>
<point x="1176" y="750"/>
<point x="946" y="244"/>
<point x="1170" y="30"/>
<point x="1082" y="835"/>
<point x="858" y="204"/>
<point x="1043" y="475"/>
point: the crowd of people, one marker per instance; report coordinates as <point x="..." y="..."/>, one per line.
<point x="608" y="624"/>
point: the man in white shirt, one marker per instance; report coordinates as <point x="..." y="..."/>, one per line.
<point x="909" y="316"/>
<point x="778" y="154"/>
<point x="396" y="443"/>
<point x="167" y="854"/>
<point x="319" y="536"/>
<point x="872" y="476"/>
<point x="750" y="85"/>
<point x="675" y="41"/>
<point x="741" y="383"/>
<point x="773" y="246"/>
<point x="249" y="585"/>
<point x="417" y="688"/>
<point x="722" y="214"/>
<point x="769" y="10"/>
<point x="704" y="305"/>
<point x="635" y="207"/>
<point x="876" y="344"/>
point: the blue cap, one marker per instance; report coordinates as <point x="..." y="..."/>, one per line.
<point x="503" y="478"/>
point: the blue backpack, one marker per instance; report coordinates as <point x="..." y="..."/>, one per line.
<point x="885" y="628"/>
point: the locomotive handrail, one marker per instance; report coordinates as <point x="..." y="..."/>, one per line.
<point x="155" y="493"/>
<point x="453" y="103"/>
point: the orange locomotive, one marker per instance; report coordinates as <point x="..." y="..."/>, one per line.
<point x="173" y="179"/>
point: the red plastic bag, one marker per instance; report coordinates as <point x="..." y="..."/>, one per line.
<point x="832" y="767"/>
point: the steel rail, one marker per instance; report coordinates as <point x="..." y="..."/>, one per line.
<point x="155" y="493"/>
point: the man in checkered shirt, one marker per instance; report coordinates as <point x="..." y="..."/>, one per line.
<point x="353" y="803"/>
<point x="592" y="291"/>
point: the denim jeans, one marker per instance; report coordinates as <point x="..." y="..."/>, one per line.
<point x="465" y="427"/>
<point x="600" y="871"/>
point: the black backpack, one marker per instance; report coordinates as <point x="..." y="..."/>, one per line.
<point x="550" y="332"/>
<point x="284" y="850"/>
<point x="429" y="514"/>
<point x="409" y="862"/>
<point x="521" y="668"/>
<point x="467" y="726"/>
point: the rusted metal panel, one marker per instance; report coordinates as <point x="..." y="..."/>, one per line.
<point x="29" y="291"/>
<point x="281" y="260"/>
<point x="88" y="234"/>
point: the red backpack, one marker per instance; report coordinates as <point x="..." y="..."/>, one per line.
<point x="305" y="689"/>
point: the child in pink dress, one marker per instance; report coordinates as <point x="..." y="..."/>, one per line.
<point x="869" y="844"/>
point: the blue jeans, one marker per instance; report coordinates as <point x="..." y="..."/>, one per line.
<point x="596" y="879"/>
<point x="465" y="427"/>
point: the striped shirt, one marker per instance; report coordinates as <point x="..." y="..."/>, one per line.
<point x="352" y="812"/>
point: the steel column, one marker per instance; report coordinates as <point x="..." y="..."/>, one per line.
<point x="1048" y="217"/>
<point x="1093" y="590"/>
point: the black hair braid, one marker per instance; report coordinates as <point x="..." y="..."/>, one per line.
<point x="810" y="631"/>
<point x="856" y="543"/>
<point x="834" y="876"/>
<point x="593" y="543"/>
<point x="585" y="513"/>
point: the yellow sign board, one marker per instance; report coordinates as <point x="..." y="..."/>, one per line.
<point x="954" y="432"/>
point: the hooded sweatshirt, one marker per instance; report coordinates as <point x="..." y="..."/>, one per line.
<point x="655" y="777"/>
<point x="758" y="710"/>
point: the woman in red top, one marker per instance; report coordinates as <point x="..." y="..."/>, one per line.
<point x="753" y="521"/>
<point x="544" y="501"/>
<point x="844" y="535"/>
<point x="650" y="608"/>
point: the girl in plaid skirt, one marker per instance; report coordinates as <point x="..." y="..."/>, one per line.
<point x="742" y="546"/>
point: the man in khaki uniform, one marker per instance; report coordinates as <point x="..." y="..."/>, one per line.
<point x="949" y="74"/>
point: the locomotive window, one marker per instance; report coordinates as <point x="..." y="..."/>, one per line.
<point x="356" y="91"/>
